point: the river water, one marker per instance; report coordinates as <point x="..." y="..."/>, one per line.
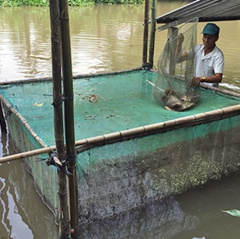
<point x="107" y="38"/>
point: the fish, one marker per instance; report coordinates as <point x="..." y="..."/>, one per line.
<point x="174" y="102"/>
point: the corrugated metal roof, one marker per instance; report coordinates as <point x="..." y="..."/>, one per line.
<point x="204" y="10"/>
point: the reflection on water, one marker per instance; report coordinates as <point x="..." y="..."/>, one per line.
<point x="106" y="38"/>
<point x="162" y="219"/>
<point x="22" y="213"/>
<point x="207" y="204"/>
<point x="195" y="213"/>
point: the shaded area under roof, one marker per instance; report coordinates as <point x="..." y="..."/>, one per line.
<point x="204" y="10"/>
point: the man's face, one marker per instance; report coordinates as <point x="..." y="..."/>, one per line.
<point x="209" y="40"/>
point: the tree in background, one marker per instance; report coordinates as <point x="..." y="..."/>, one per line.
<point x="19" y="3"/>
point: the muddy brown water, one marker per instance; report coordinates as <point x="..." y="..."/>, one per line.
<point x="107" y="38"/>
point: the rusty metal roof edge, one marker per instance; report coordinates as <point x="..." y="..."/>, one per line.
<point x="176" y="22"/>
<point x="205" y="10"/>
<point x="178" y="9"/>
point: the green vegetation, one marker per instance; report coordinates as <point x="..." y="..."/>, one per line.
<point x="18" y="3"/>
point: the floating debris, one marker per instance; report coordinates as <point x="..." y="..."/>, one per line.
<point x="41" y="57"/>
<point x="38" y="104"/>
<point x="91" y="98"/>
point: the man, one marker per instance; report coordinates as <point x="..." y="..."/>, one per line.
<point x="209" y="59"/>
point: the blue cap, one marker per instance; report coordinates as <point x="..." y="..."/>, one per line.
<point x="211" y="29"/>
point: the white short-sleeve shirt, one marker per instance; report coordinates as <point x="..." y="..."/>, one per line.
<point x="209" y="64"/>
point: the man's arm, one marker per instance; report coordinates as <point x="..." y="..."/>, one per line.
<point x="179" y="55"/>
<point x="209" y="79"/>
<point x="217" y="77"/>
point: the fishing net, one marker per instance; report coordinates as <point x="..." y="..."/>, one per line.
<point x="175" y="87"/>
<point x="127" y="155"/>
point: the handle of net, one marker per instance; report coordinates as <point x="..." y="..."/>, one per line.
<point x="154" y="85"/>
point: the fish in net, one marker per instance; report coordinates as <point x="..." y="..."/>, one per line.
<point x="175" y="88"/>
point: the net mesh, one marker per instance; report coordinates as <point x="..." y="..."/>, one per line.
<point x="174" y="87"/>
<point x="118" y="177"/>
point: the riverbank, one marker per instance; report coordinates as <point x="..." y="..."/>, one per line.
<point x="72" y="3"/>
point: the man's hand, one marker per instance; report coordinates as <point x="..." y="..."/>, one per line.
<point x="180" y="39"/>
<point x="197" y="80"/>
<point x="179" y="55"/>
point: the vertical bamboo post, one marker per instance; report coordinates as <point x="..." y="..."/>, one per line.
<point x="64" y="229"/>
<point x="145" y="33"/>
<point x="2" y="120"/>
<point x="152" y="36"/>
<point x="69" y="114"/>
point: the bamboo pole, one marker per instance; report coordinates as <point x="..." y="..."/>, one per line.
<point x="2" y="119"/>
<point x="69" y="115"/>
<point x="64" y="227"/>
<point x="152" y="35"/>
<point x="27" y="154"/>
<point x="187" y="121"/>
<point x="145" y="34"/>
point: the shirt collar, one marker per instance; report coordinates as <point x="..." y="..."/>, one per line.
<point x="209" y="55"/>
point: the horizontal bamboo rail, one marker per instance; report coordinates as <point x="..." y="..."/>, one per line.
<point x="27" y="154"/>
<point x="188" y="121"/>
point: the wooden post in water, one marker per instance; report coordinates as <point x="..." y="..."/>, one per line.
<point x="2" y="120"/>
<point x="145" y="34"/>
<point x="69" y="115"/>
<point x="64" y="227"/>
<point x="152" y="36"/>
